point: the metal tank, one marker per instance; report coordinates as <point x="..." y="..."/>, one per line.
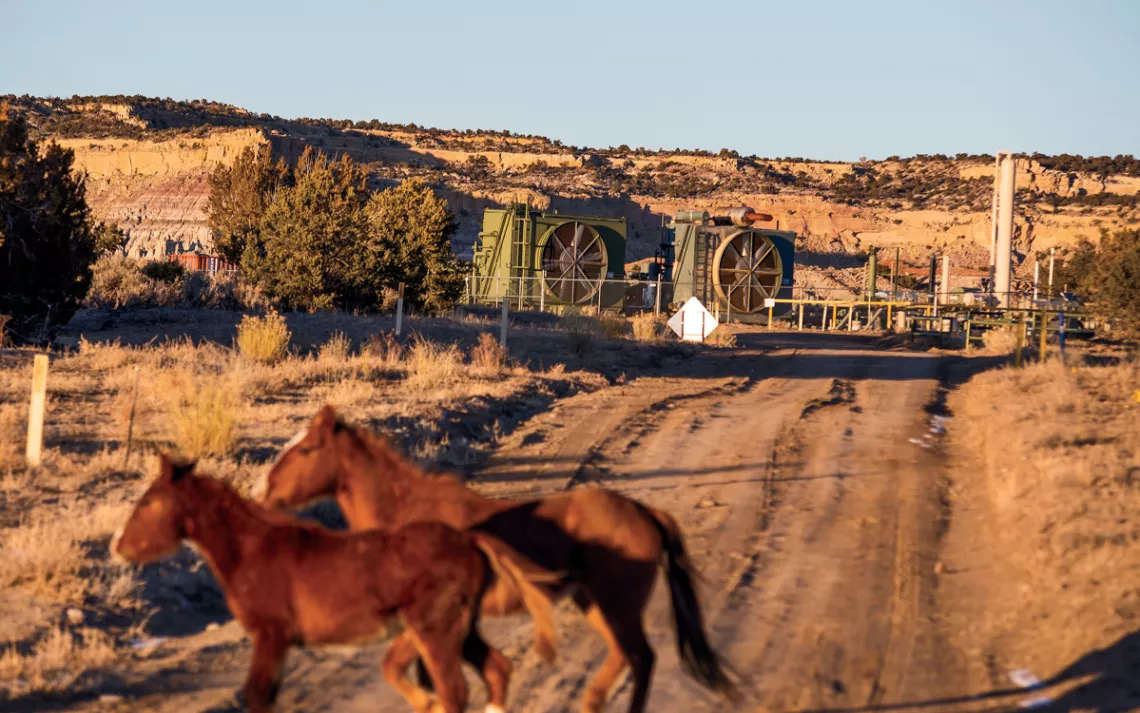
<point x="726" y="261"/>
<point x="561" y="259"/>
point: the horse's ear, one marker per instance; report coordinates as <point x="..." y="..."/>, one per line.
<point x="326" y="420"/>
<point x="181" y="470"/>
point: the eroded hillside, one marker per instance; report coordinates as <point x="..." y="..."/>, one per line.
<point x="147" y="162"/>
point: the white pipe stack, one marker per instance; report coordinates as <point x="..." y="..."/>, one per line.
<point x="1004" y="248"/>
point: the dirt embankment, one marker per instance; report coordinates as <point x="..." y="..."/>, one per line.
<point x="1047" y="487"/>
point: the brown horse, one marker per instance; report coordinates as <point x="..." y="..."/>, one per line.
<point x="608" y="545"/>
<point x="292" y="583"/>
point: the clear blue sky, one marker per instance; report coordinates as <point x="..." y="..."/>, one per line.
<point x="827" y="80"/>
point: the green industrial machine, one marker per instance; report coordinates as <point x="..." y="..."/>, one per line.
<point x="549" y="258"/>
<point x="727" y="263"/>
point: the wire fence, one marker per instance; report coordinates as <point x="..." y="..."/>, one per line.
<point x="797" y="306"/>
<point x="541" y="292"/>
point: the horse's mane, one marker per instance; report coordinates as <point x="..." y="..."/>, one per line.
<point x="398" y="464"/>
<point x="224" y="494"/>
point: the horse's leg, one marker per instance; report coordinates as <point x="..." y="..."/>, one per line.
<point x="493" y="667"/>
<point x="618" y="604"/>
<point x="400" y="655"/>
<point x="264" y="678"/>
<point x="440" y="651"/>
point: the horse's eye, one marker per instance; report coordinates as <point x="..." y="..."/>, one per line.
<point x="305" y="450"/>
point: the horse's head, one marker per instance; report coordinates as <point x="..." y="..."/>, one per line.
<point x="306" y="469"/>
<point x="157" y="524"/>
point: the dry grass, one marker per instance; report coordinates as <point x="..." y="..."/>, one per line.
<point x="613" y="326"/>
<point x="432" y="365"/>
<point x="648" y="327"/>
<point x="721" y="337"/>
<point x="202" y="409"/>
<point x="579" y="333"/>
<point x="58" y="661"/>
<point x="999" y="341"/>
<point x="1055" y="450"/>
<point x="263" y="339"/>
<point x="384" y="348"/>
<point x="487" y="357"/>
<point x="4" y="319"/>
<point x="13" y="425"/>
<point x="232" y="412"/>
<point x="336" y="349"/>
<point x="47" y="556"/>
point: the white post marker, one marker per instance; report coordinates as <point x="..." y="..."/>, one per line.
<point x="36" y="411"/>
<point x="542" y="293"/>
<point x="503" y="328"/>
<point x="400" y="310"/>
<point x="692" y="323"/>
<point x="657" y="297"/>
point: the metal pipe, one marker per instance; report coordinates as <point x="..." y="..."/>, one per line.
<point x="1003" y="249"/>
<point x="994" y="220"/>
<point x="944" y="288"/>
<point x="1036" y="277"/>
<point x="1051" y="251"/>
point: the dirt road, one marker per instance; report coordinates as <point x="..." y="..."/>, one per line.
<point x="812" y="495"/>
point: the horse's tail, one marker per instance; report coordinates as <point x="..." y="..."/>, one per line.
<point x="519" y="574"/>
<point x="696" y="653"/>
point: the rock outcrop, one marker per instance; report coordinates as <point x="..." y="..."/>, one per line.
<point x="147" y="163"/>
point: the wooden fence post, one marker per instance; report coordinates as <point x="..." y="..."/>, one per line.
<point x="131" y="420"/>
<point x="36" y="411"/>
<point x="400" y="310"/>
<point x="503" y="328"/>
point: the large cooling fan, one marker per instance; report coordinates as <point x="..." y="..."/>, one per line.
<point x="746" y="270"/>
<point x="575" y="262"/>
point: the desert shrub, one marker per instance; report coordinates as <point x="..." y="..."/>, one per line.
<point x="580" y="333"/>
<point x="383" y="347"/>
<point x="166" y="271"/>
<point x="47" y="244"/>
<point x="47" y="556"/>
<point x="613" y="326"/>
<point x="389" y="297"/>
<point x="487" y="356"/>
<point x="648" y="327"/>
<point x="109" y="239"/>
<point x="223" y="290"/>
<point x="263" y="339"/>
<point x="336" y="349"/>
<point x="3" y="330"/>
<point x="57" y="661"/>
<point x="430" y="364"/>
<point x="117" y="281"/>
<point x="721" y="337"/>
<point x="202" y="410"/>
<point x="999" y="341"/>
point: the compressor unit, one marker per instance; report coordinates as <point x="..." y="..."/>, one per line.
<point x="726" y="262"/>
<point x="550" y="258"/>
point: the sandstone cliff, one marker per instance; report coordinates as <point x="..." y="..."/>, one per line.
<point x="147" y="162"/>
